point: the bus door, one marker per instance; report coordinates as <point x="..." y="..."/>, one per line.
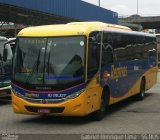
<point x="107" y="58"/>
<point x="93" y="90"/>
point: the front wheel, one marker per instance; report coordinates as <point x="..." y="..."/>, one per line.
<point x="141" y="94"/>
<point x="99" y="114"/>
<point x="104" y="105"/>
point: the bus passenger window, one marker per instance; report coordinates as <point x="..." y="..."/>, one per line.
<point x="152" y="52"/>
<point x="107" y="54"/>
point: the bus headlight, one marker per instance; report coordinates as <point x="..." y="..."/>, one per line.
<point x="76" y="94"/>
<point x="17" y="93"/>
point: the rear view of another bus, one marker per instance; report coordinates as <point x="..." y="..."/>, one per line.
<point x="5" y="66"/>
<point x="158" y="48"/>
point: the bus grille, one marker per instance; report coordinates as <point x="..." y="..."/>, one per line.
<point x="44" y="101"/>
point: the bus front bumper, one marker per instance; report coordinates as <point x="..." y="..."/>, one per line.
<point x="71" y="107"/>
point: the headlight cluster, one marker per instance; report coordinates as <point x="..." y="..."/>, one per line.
<point x="74" y="95"/>
<point x="17" y="93"/>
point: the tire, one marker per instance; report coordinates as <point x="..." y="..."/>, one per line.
<point x="141" y="94"/>
<point x="100" y="114"/>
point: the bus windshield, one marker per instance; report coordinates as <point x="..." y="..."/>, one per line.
<point x="53" y="60"/>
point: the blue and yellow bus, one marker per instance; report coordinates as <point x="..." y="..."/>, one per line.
<point x="80" y="68"/>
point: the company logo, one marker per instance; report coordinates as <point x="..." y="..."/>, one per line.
<point x="118" y="72"/>
<point x="31" y="95"/>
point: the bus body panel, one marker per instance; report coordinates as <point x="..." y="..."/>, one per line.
<point x="87" y="102"/>
<point x="151" y="79"/>
<point x="93" y="95"/>
<point x="123" y="76"/>
<point x="71" y="107"/>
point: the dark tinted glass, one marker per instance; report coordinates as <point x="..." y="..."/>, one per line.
<point x="93" y="54"/>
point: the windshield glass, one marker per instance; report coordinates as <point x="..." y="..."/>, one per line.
<point x="57" y="60"/>
<point x="2" y="48"/>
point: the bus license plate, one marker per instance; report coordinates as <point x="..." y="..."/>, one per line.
<point x="44" y="110"/>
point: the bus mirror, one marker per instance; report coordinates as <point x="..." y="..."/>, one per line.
<point x="98" y="38"/>
<point x="5" y="54"/>
<point x="92" y="39"/>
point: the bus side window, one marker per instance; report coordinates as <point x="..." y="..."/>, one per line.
<point x="2" y="42"/>
<point x="119" y="47"/>
<point x="8" y="52"/>
<point x="152" y="53"/>
<point x="107" y="50"/>
<point x="107" y="54"/>
<point x="151" y="46"/>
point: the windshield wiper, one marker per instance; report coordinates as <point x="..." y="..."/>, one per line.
<point x="35" y="67"/>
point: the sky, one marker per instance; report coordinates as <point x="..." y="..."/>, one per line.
<point x="129" y="7"/>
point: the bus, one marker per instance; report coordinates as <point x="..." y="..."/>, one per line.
<point x="158" y="48"/>
<point x="80" y="68"/>
<point x="6" y="54"/>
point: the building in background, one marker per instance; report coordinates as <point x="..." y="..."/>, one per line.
<point x="41" y="12"/>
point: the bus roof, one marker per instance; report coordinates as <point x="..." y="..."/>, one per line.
<point x="73" y="28"/>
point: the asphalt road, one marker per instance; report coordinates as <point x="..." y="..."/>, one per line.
<point x="128" y="117"/>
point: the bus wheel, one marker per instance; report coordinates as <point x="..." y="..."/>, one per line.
<point x="99" y="114"/>
<point x="141" y="94"/>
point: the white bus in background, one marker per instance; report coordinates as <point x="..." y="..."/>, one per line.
<point x="6" y="53"/>
<point x="158" y="48"/>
